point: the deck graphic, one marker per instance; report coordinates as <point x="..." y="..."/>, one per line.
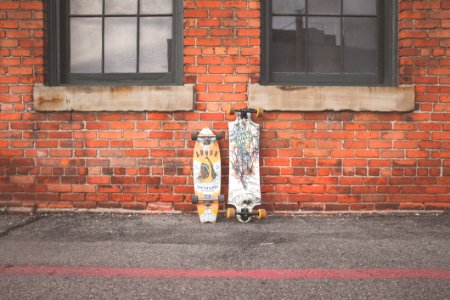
<point x="207" y="166"/>
<point x="244" y="162"/>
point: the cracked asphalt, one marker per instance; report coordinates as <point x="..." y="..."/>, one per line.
<point x="180" y="242"/>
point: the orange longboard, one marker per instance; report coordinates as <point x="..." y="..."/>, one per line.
<point x="207" y="175"/>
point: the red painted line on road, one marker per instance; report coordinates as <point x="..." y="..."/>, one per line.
<point x="262" y="274"/>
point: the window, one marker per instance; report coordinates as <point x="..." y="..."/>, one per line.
<point x="329" y="42"/>
<point x="115" y="42"/>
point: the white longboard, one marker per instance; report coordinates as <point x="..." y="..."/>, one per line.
<point x="244" y="189"/>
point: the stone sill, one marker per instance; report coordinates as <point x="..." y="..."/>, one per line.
<point x="332" y="98"/>
<point x="114" y="98"/>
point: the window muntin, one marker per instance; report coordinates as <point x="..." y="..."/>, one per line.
<point x="327" y="42"/>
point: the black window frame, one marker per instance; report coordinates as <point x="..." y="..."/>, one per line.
<point x="388" y="54"/>
<point x="58" y="39"/>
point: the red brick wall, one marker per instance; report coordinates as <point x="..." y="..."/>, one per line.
<point x="309" y="161"/>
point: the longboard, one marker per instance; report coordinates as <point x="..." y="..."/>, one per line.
<point x="244" y="189"/>
<point x="207" y="175"/>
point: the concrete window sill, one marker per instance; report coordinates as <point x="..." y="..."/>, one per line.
<point x="334" y="98"/>
<point x="114" y="98"/>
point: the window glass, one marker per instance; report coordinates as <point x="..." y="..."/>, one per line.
<point x="324" y="7"/>
<point x="360" y="51"/>
<point x="155" y="52"/>
<point x="360" y="7"/>
<point x="120" y="45"/>
<point x="123" y="50"/>
<point x="121" y="7"/>
<point x="86" y="7"/>
<point x="288" y="6"/>
<point x="86" y="45"/>
<point x="288" y="44"/>
<point x="324" y="43"/>
<point x="156" y="7"/>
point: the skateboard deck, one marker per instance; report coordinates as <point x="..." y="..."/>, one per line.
<point x="207" y="175"/>
<point x="244" y="189"/>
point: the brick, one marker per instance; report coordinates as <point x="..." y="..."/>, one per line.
<point x="221" y="69"/>
<point x="208" y="42"/>
<point x="248" y="32"/>
<point x="221" y="32"/>
<point x="247" y="69"/>
<point x="248" y="14"/>
<point x="32" y="24"/>
<point x="337" y="207"/>
<point x="10" y="61"/>
<point x="196" y="32"/>
<point x="9" y="5"/>
<point x="9" y="24"/>
<point x="211" y="22"/>
<point x="209" y="60"/>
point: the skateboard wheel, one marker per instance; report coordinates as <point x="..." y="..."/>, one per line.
<point x="259" y="111"/>
<point x="221" y="198"/>
<point x="194" y="136"/>
<point x="262" y="214"/>
<point x="231" y="213"/>
<point x="218" y="136"/>
<point x="195" y="200"/>
<point x="244" y="218"/>
<point x="230" y="110"/>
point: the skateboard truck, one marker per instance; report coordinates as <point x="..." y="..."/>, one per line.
<point x="245" y="215"/>
<point x="207" y="139"/>
<point x="243" y="112"/>
<point x="208" y="200"/>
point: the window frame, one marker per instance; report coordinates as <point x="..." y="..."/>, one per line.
<point x="58" y="63"/>
<point x="388" y="76"/>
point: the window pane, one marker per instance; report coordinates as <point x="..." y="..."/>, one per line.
<point x="120" y="45"/>
<point x="85" y="45"/>
<point x="288" y="6"/>
<point x="155" y="45"/>
<point x="360" y="7"/>
<point x="360" y="51"/>
<point x="288" y="45"/>
<point x="86" y="7"/>
<point x="156" y="7"/>
<point x="324" y="7"/>
<point x="324" y="45"/>
<point x="121" y="7"/>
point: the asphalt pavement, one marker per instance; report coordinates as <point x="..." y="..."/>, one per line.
<point x="117" y="256"/>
